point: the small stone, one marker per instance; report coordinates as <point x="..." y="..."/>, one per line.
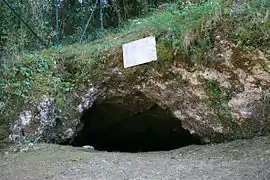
<point x="246" y="113"/>
<point x="15" y="150"/>
<point x="226" y="84"/>
<point x="220" y="55"/>
<point x="24" y="149"/>
<point x="88" y="147"/>
<point x="69" y="133"/>
<point x="115" y="69"/>
<point x="36" y="148"/>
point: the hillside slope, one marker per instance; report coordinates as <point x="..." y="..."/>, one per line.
<point x="212" y="73"/>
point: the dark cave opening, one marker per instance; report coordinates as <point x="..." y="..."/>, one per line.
<point x="131" y="124"/>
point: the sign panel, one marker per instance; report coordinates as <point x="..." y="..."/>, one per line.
<point x="139" y="52"/>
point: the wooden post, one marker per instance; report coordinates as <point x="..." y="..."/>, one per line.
<point x="236" y="2"/>
<point x="101" y="14"/>
<point x="56" y="22"/>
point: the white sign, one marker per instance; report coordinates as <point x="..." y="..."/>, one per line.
<point x="140" y="52"/>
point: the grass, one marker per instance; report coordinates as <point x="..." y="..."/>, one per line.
<point x="184" y="33"/>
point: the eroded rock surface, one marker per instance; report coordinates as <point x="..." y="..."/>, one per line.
<point x="217" y="103"/>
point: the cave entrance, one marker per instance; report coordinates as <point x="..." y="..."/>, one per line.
<point x="131" y="124"/>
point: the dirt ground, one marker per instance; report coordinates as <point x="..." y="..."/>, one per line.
<point x="242" y="159"/>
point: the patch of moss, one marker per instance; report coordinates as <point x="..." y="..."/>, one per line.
<point x="219" y="104"/>
<point x="266" y="129"/>
<point x="165" y="51"/>
<point x="9" y="113"/>
<point x="213" y="90"/>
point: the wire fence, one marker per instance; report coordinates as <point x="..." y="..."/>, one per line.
<point x="32" y="25"/>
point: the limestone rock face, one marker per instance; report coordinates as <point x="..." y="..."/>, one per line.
<point x="44" y="122"/>
<point x="225" y="101"/>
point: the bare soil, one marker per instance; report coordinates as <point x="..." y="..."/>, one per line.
<point x="242" y="159"/>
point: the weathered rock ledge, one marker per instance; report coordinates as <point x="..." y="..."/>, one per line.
<point x="217" y="103"/>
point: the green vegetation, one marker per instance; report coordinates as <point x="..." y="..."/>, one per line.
<point x="16" y="39"/>
<point x="214" y="93"/>
<point x="219" y="103"/>
<point x="76" y="159"/>
<point x="266" y="129"/>
<point x="184" y="32"/>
